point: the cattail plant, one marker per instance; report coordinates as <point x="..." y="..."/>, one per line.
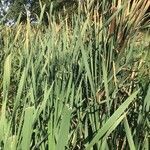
<point x="78" y="82"/>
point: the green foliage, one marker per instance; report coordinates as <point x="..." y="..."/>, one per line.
<point x="20" y="7"/>
<point x="76" y="83"/>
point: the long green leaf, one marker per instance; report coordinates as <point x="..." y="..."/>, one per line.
<point x="112" y="120"/>
<point x="128" y="134"/>
<point x="64" y="129"/>
<point x="27" y="128"/>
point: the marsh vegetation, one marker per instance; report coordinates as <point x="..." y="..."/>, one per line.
<point x="79" y="82"/>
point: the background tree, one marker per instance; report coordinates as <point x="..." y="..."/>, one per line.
<point x="3" y="8"/>
<point x="13" y="8"/>
<point x="17" y="7"/>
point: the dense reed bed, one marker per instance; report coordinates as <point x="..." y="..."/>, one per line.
<point x="81" y="82"/>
